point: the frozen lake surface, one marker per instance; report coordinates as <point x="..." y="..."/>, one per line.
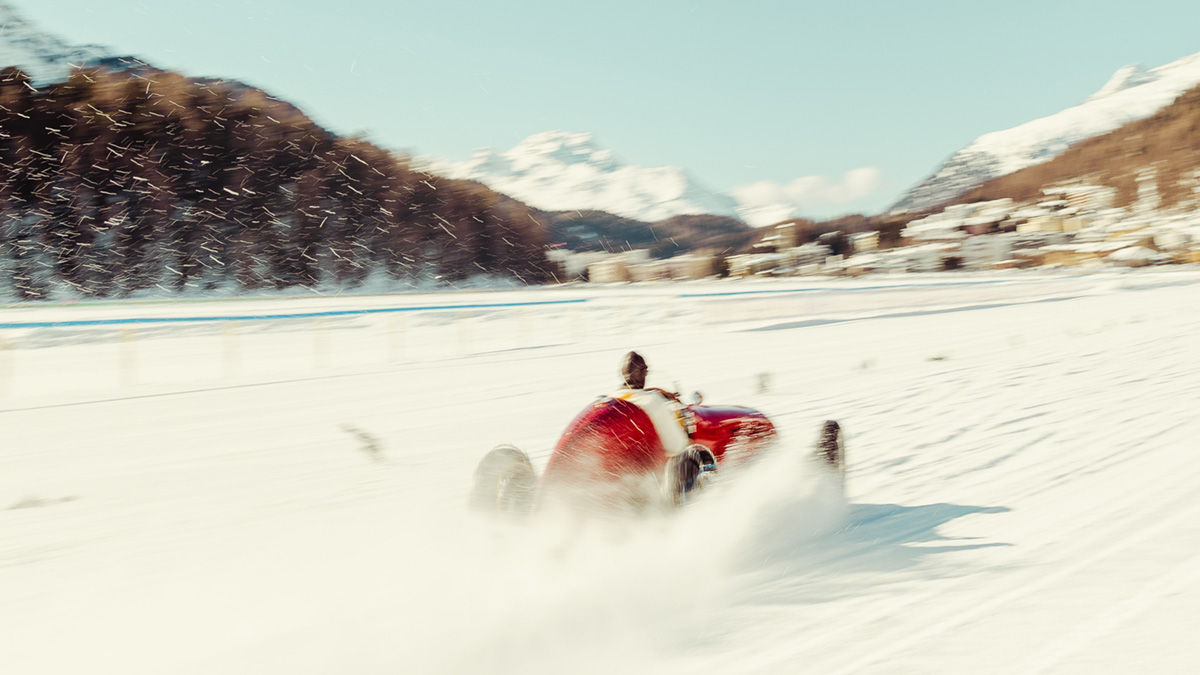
<point x="287" y="495"/>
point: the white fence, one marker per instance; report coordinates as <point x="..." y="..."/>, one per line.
<point x="53" y="358"/>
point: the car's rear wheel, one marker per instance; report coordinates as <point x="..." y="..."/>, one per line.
<point x="504" y="482"/>
<point x="685" y="473"/>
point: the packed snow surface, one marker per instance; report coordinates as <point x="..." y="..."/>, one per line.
<point x="287" y="495"/>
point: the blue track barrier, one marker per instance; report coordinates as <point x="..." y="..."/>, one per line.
<point x="272" y="317"/>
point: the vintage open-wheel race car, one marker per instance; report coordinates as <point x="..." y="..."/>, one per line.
<point x="611" y="456"/>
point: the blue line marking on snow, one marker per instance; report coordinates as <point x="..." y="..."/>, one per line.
<point x="272" y="317"/>
<point x="820" y="289"/>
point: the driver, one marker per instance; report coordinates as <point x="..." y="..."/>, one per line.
<point x="663" y="408"/>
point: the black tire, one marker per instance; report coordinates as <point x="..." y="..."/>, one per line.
<point x="504" y="482"/>
<point x="831" y="449"/>
<point x="684" y="472"/>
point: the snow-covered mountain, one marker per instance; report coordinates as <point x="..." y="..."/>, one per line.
<point x="44" y="57"/>
<point x="561" y="171"/>
<point x="1132" y="93"/>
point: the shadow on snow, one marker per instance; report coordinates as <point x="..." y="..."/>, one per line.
<point x="873" y="545"/>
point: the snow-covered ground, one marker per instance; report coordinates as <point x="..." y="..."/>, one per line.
<point x="287" y="495"/>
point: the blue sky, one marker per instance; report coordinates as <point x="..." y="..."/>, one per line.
<point x="736" y="92"/>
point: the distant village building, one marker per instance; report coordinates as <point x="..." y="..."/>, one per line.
<point x="925" y="257"/>
<point x="1069" y="225"/>
<point x="1084" y="197"/>
<point x="608" y="271"/>
<point x="863" y="263"/>
<point x="1042" y="223"/>
<point x="864" y="241"/>
<point x="808" y="254"/>
<point x="617" y="267"/>
<point x="783" y="236"/>
<point x="637" y="266"/>
<point x="1172" y="240"/>
<point x="750" y="264"/>
<point x="1133" y="256"/>
<point x="690" y="266"/>
<point x="959" y="221"/>
<point x="810" y="258"/>
<point x="649" y="270"/>
<point x="571" y="264"/>
<point x="986" y="251"/>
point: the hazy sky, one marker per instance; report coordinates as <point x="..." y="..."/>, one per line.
<point x="737" y="92"/>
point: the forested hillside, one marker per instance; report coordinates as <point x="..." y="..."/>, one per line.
<point x="119" y="180"/>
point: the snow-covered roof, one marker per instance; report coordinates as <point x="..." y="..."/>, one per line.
<point x="862" y="259"/>
<point x="1132" y="253"/>
<point x="1029" y="212"/>
<point x="1100" y="246"/>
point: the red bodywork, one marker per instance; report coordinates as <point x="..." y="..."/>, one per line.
<point x="612" y="445"/>
<point x="719" y="427"/>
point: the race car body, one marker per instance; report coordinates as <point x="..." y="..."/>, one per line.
<point x="612" y="456"/>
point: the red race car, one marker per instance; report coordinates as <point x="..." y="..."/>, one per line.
<point x="611" y="456"/>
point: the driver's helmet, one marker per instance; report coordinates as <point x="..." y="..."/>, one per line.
<point x="633" y="370"/>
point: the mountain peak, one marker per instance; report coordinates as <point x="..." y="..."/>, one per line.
<point x="563" y="148"/>
<point x="1132" y="93"/>
<point x="546" y="142"/>
<point x="1126" y="77"/>
<point x="564" y="171"/>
